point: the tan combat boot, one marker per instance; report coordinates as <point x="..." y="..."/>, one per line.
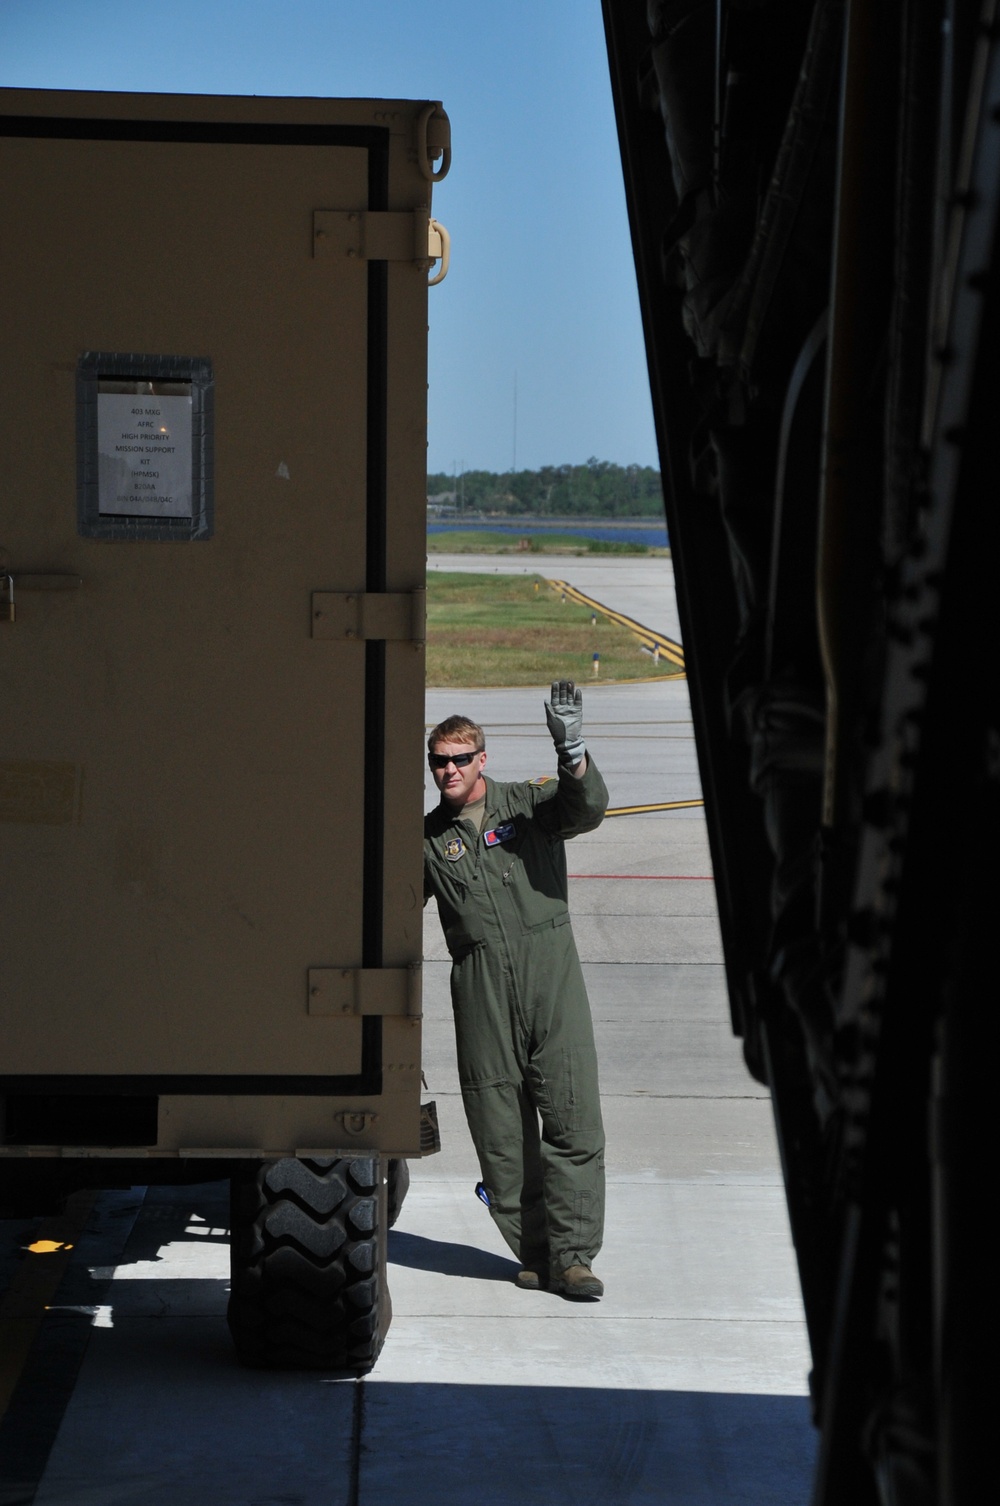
<point x="531" y="1281"/>
<point x="577" y="1281"/>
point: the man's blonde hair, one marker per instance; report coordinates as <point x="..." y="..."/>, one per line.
<point x="457" y="729"/>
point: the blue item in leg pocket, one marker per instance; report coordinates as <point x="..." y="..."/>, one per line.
<point x="502" y="833"/>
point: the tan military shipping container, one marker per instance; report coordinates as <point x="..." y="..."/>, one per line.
<point x="212" y="546"/>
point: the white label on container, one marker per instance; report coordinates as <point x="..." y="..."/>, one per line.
<point x="144" y="456"/>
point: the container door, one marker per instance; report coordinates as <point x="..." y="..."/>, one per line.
<point x="212" y="404"/>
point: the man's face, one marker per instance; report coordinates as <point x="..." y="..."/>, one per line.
<point x="457" y="783"/>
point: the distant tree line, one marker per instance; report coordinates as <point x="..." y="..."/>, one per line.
<point x="597" y="489"/>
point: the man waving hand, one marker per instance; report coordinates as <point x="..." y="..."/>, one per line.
<point x="495" y="860"/>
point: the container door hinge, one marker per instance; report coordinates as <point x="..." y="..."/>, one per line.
<point x="395" y="616"/>
<point x="355" y="991"/>
<point x="372" y="234"/>
<point x="382" y="235"/>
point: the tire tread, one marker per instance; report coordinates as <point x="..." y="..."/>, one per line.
<point x="304" y="1249"/>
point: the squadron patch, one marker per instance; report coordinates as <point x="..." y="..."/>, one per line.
<point x="454" y="849"/>
<point x="501" y="833"/>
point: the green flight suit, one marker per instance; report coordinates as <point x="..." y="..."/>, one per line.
<point x="522" y="1018"/>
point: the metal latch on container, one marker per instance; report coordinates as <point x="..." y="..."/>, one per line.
<point x="32" y="580"/>
<point x="355" y="1121"/>
<point x="353" y="991"/>
<point x="395" y="616"/>
<point x="381" y="235"/>
<point x="434" y="141"/>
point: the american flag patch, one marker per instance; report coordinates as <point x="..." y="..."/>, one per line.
<point x="502" y="833"/>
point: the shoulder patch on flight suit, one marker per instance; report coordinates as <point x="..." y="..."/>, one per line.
<point x="454" y="848"/>
<point x="542" y="779"/>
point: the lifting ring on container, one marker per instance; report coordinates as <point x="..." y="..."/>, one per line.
<point x="443" y="144"/>
<point x="435" y="227"/>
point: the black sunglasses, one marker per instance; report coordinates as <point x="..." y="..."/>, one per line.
<point x="442" y="760"/>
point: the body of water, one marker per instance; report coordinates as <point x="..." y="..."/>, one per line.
<point x="632" y="532"/>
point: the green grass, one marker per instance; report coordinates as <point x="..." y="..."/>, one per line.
<point x="609" y="546"/>
<point x="486" y="541"/>
<point x="501" y="630"/>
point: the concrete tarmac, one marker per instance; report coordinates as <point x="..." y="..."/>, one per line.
<point x="688" y="1381"/>
<point x="686" y="1384"/>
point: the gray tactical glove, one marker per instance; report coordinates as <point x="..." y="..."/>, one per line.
<point x="564" y="714"/>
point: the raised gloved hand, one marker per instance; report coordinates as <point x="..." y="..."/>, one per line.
<point x="564" y="714"/>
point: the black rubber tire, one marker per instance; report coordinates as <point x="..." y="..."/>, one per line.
<point x="398" y="1185"/>
<point x="305" y="1261"/>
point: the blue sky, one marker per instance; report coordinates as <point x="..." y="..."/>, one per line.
<point x="542" y="281"/>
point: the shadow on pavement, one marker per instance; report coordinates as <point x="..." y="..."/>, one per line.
<point x="447" y="1445"/>
<point x="171" y="1214"/>
<point x="423" y="1254"/>
<point x="185" y="1430"/>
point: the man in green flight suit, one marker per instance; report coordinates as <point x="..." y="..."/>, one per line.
<point x="495" y="860"/>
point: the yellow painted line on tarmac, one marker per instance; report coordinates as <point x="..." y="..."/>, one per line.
<point x="648" y="637"/>
<point x="34" y="1284"/>
<point x="677" y="674"/>
<point x="643" y="810"/>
